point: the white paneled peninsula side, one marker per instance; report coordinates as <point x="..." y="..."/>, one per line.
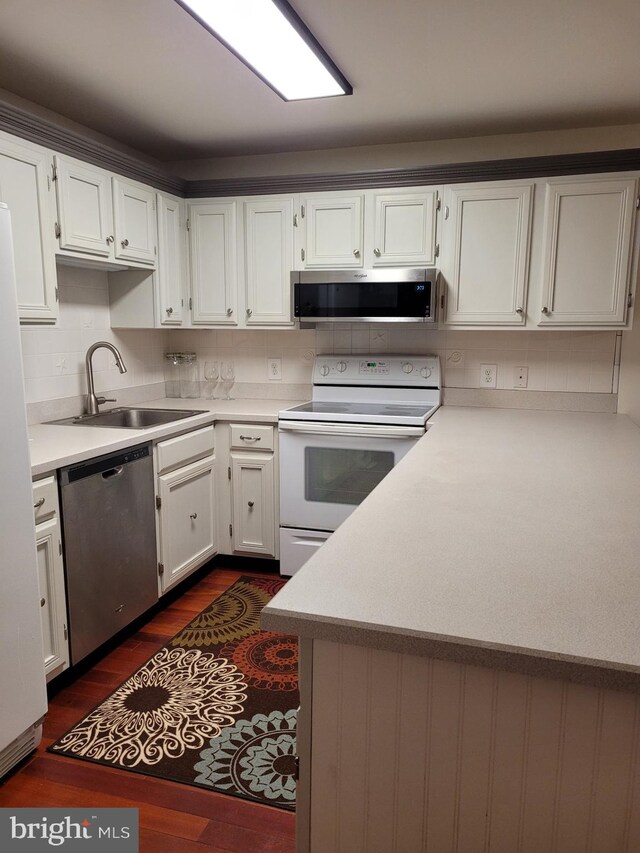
<point x="470" y="665"/>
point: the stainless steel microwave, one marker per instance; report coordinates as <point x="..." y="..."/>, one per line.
<point x="403" y="295"/>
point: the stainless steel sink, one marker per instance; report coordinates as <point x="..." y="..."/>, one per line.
<point x="130" y="418"/>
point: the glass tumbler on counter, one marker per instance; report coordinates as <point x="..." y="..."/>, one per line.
<point x="172" y="374"/>
<point x="189" y="380"/>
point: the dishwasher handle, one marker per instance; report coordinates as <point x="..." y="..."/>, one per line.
<point x="108" y="466"/>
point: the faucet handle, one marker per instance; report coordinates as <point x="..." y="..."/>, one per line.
<point x="101" y="400"/>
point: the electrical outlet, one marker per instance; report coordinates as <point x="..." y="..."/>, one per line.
<point x="488" y="375"/>
<point x="274" y="368"/>
<point x="520" y="377"/>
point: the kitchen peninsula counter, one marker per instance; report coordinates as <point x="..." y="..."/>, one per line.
<point x="505" y="538"/>
<point x="52" y="446"/>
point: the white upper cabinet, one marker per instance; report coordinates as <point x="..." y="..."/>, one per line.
<point x="134" y="210"/>
<point x="333" y="230"/>
<point x="404" y="228"/>
<point x="214" y="277"/>
<point x="269" y="259"/>
<point x="588" y="237"/>
<point x="85" y="216"/>
<point x="485" y="253"/>
<point x="24" y="187"/>
<point x="172" y="260"/>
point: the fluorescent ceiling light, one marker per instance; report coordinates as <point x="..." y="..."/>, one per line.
<point x="269" y="37"/>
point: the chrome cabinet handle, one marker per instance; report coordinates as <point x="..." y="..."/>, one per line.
<point x="229" y="312"/>
<point x="193" y="516"/>
<point x="110" y="239"/>
<point x="377" y="252"/>
<point x="250" y="504"/>
<point x="519" y="311"/>
<point x="545" y="310"/>
<point x="169" y="311"/>
<point x="356" y="252"/>
<point x="39" y="503"/>
<point x="251" y="438"/>
<point x="43" y="601"/>
<point x="124" y="243"/>
<point x="249" y="312"/>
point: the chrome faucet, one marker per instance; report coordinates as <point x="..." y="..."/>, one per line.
<point x="93" y="402"/>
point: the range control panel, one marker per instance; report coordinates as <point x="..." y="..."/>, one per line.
<point x="392" y="370"/>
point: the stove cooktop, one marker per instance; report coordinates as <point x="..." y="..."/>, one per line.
<point x="329" y="411"/>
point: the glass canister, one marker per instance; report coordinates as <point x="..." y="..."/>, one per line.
<point x="172" y="374"/>
<point x="189" y="380"/>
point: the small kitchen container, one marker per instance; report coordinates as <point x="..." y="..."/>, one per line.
<point x="181" y="375"/>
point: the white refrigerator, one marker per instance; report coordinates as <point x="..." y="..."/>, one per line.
<point x="23" y="694"/>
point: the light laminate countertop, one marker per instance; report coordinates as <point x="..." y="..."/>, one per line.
<point x="53" y="446"/>
<point x="504" y="538"/>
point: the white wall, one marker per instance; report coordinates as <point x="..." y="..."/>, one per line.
<point x="412" y="154"/>
<point x="54" y="357"/>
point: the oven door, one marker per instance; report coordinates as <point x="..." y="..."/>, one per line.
<point x="327" y="470"/>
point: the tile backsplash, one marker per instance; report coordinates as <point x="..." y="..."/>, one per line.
<point x="54" y="357"/>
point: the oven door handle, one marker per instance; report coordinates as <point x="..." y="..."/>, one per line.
<point x="365" y="430"/>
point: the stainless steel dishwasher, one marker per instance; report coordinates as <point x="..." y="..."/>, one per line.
<point x="108" y="516"/>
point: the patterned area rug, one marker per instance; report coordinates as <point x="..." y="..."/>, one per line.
<point x="215" y="707"/>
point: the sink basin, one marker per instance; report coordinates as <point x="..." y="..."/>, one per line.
<point x="126" y="418"/>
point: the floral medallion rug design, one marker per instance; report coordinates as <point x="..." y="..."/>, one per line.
<point x="215" y="707"/>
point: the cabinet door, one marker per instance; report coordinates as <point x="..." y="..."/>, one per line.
<point x="85" y="216"/>
<point x="134" y="210"/>
<point x="269" y="260"/>
<point x="405" y="228"/>
<point x="24" y="187"/>
<point x="187" y="523"/>
<point x="172" y="259"/>
<point x="253" y="488"/>
<point x="485" y="253"/>
<point x="334" y="231"/>
<point x="588" y="235"/>
<point x="214" y="277"/>
<point x="53" y="611"/>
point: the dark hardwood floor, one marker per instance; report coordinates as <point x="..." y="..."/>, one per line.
<point x="174" y="818"/>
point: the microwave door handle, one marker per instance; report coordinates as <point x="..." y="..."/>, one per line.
<point x="364" y="430"/>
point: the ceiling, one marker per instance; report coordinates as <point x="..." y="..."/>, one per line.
<point x="145" y="73"/>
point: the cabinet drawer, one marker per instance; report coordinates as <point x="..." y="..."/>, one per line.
<point x="251" y="437"/>
<point x="184" y="449"/>
<point x="45" y="498"/>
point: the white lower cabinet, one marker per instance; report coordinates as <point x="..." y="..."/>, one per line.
<point x="51" y="585"/>
<point x="185" y="499"/>
<point x="253" y="481"/>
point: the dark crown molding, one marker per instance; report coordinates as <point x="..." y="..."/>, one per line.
<point x="23" y="124"/>
<point x="452" y="173"/>
<point x="64" y="141"/>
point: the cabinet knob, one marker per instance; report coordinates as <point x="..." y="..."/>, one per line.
<point x="110" y="239"/>
<point x="545" y="310"/>
<point x="356" y="253"/>
<point x="249" y="312"/>
<point x="229" y="312"/>
<point x="124" y="243"/>
<point x="39" y="503"/>
<point x="377" y="252"/>
<point x="169" y="311"/>
<point x="43" y="601"/>
<point x="250" y="504"/>
<point x="519" y="311"/>
<point x="193" y="516"/>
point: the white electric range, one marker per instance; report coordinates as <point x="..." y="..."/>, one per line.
<point x="367" y="412"/>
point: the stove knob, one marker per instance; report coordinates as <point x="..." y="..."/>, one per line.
<point x="324" y="370"/>
<point x="425" y="372"/>
<point x="407" y="367"/>
<point x="342" y="366"/>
